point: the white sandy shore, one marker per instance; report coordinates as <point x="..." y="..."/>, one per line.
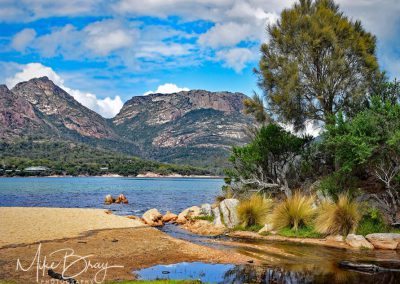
<point x="32" y="224"/>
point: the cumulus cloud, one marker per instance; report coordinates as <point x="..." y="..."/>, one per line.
<point x="107" y="107"/>
<point x="22" y="39"/>
<point x="167" y="88"/>
<point x="236" y="58"/>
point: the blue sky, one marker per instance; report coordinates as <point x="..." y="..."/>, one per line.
<point x="105" y="52"/>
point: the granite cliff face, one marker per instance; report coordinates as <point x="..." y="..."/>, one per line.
<point x="195" y="127"/>
<point x="62" y="110"/>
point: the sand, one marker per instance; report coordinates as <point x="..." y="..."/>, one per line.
<point x="104" y="238"/>
<point x="24" y="225"/>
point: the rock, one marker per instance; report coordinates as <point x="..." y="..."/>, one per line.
<point x="335" y="238"/>
<point x="109" y="199"/>
<point x="152" y="217"/>
<point x="206" y="210"/>
<point x="188" y="213"/>
<point x="358" y="241"/>
<point x="384" y="240"/>
<point x="203" y="227"/>
<point x="122" y="199"/>
<point x="169" y="217"/>
<point x="217" y="217"/>
<point x="266" y="229"/>
<point x="229" y="213"/>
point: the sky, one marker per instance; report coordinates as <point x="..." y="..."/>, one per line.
<point x="104" y="52"/>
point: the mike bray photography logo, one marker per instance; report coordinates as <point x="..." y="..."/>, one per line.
<point x="69" y="266"/>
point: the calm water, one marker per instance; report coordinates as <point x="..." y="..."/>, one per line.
<point x="88" y="192"/>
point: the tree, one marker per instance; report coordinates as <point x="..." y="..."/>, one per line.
<point x="268" y="162"/>
<point x="316" y="63"/>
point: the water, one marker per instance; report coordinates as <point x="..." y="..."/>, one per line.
<point x="173" y="194"/>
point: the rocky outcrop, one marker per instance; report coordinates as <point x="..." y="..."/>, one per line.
<point x="192" y="127"/>
<point x="229" y="212"/>
<point x="122" y="199"/>
<point x="153" y="218"/>
<point x="169" y="217"/>
<point x="217" y="217"/>
<point x="384" y="240"/>
<point x="206" y="210"/>
<point x="335" y="238"/>
<point x="61" y="110"/>
<point x="187" y="214"/>
<point x="358" y="241"/>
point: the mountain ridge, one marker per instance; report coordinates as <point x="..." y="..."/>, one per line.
<point x="195" y="127"/>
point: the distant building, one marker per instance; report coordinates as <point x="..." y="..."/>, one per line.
<point x="36" y="169"/>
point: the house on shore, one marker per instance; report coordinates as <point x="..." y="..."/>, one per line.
<point x="36" y="169"/>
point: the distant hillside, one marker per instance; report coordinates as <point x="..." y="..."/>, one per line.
<point x="195" y="127"/>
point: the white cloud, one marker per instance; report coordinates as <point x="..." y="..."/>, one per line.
<point x="167" y="88"/>
<point x="108" y="35"/>
<point x="22" y="39"/>
<point x="236" y="58"/>
<point x="107" y="107"/>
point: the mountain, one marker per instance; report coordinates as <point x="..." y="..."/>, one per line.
<point x="192" y="127"/>
<point x="195" y="127"/>
<point x="62" y="110"/>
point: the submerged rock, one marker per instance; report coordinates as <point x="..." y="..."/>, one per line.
<point x="109" y="199"/>
<point x="169" y="217"/>
<point x="122" y="199"/>
<point x="358" y="241"/>
<point x="229" y="213"/>
<point x="206" y="209"/>
<point x="152" y="217"/>
<point x="188" y="213"/>
<point x="384" y="240"/>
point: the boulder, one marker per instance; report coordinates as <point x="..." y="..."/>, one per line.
<point x="335" y="238"/>
<point x="203" y="227"/>
<point x="384" y="240"/>
<point x="266" y="229"/>
<point x="109" y="199"/>
<point x="206" y="210"/>
<point x="217" y="217"/>
<point x="358" y="241"/>
<point x="122" y="199"/>
<point x="188" y="213"/>
<point x="169" y="217"/>
<point x="152" y="217"/>
<point x="229" y="212"/>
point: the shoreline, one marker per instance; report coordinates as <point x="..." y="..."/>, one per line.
<point x="120" y="176"/>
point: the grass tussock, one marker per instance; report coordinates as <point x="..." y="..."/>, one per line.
<point x="341" y="217"/>
<point x="295" y="212"/>
<point x="253" y="212"/>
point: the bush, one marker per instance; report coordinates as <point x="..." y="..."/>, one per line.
<point x="341" y="217"/>
<point x="372" y="222"/>
<point x="295" y="212"/>
<point x="254" y="211"/>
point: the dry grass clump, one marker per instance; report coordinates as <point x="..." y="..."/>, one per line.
<point x="341" y="217"/>
<point x="254" y="211"/>
<point x="295" y="212"/>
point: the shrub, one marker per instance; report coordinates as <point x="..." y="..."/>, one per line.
<point x="339" y="217"/>
<point x="372" y="222"/>
<point x="294" y="212"/>
<point x="254" y="211"/>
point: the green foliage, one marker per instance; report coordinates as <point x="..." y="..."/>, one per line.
<point x="294" y="212"/>
<point x="255" y="107"/>
<point x="271" y="150"/>
<point x="339" y="218"/>
<point x="68" y="158"/>
<point x="206" y="218"/>
<point x="316" y="62"/>
<point x="254" y="211"/>
<point x="303" y="232"/>
<point x="372" y="222"/>
<point x="253" y="228"/>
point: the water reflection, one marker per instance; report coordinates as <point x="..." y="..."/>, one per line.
<point x="237" y="274"/>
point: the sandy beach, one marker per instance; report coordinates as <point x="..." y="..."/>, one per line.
<point x="104" y="238"/>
